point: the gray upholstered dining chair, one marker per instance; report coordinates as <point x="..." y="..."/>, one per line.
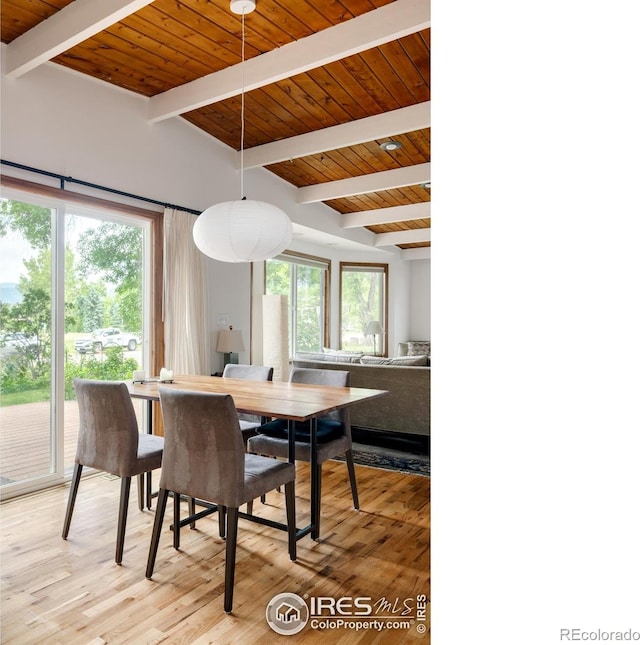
<point x="248" y="422"/>
<point x="333" y="430"/>
<point x="204" y="458"/>
<point x="108" y="440"/>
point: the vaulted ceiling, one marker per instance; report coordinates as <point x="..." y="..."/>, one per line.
<point x="326" y="82"/>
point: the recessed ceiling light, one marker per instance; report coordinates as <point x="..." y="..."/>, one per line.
<point x="391" y="145"/>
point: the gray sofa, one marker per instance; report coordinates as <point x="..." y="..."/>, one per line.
<point x="407" y="407"/>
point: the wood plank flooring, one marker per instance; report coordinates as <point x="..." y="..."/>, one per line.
<point x="72" y="592"/>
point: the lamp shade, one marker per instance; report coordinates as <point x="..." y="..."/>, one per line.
<point x="230" y="340"/>
<point x="242" y="231"/>
<point x="373" y="327"/>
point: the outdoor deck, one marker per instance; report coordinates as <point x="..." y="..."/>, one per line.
<point x="25" y="439"/>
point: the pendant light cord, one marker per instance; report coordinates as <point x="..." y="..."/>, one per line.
<point x="242" y="195"/>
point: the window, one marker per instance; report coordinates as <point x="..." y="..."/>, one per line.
<point x="363" y="303"/>
<point x="304" y="280"/>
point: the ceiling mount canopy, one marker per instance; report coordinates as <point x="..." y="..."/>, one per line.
<point x="242" y="7"/>
<point x="244" y="230"/>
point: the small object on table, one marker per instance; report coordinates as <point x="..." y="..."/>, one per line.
<point x="166" y="376"/>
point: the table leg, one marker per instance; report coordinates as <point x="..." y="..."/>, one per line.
<point x="291" y="435"/>
<point x="315" y="481"/>
<point x="149" y="431"/>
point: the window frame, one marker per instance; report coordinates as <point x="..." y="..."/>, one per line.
<point x="380" y="267"/>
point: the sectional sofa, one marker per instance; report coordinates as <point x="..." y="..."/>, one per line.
<point x="406" y="410"/>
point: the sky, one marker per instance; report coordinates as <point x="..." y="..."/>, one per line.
<point x="13" y="251"/>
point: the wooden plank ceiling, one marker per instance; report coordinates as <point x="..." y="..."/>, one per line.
<point x="355" y="71"/>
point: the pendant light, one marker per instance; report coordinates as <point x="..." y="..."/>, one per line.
<point x="244" y="230"/>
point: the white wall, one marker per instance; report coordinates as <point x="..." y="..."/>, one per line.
<point x="420" y="305"/>
<point x="59" y="121"/>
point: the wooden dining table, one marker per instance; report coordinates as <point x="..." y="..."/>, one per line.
<point x="272" y="399"/>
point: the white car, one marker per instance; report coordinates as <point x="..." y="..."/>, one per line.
<point x="108" y="337"/>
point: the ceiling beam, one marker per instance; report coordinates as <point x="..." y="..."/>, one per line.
<point x="403" y="237"/>
<point x="65" y="29"/>
<point x="371" y="183"/>
<point x="380" y="126"/>
<point x="386" y="215"/>
<point x="374" y="28"/>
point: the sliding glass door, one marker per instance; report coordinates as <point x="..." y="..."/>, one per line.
<point x="104" y="328"/>
<point x="74" y="285"/>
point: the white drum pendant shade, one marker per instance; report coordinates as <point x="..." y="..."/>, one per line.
<point x="242" y="231"/>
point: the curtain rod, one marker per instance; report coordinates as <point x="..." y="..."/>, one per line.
<point x="64" y="179"/>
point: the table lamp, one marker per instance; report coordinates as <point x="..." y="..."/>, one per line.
<point x="230" y="343"/>
<point x="374" y="328"/>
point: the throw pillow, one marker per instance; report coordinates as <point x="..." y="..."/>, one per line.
<point x="312" y="356"/>
<point x="410" y="360"/>
<point x="344" y="358"/>
<point x="419" y="348"/>
<point x="341" y="355"/>
<point x="375" y="360"/>
<point x="407" y="361"/>
<point x="340" y="352"/>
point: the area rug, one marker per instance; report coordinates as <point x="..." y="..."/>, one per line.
<point x="387" y="459"/>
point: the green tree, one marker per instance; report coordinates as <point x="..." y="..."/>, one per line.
<point x="360" y="300"/>
<point x="31" y="317"/>
<point x="33" y="222"/>
<point x="280" y="277"/>
<point x="114" y="251"/>
<point x="90" y="307"/>
<point x="308" y="311"/>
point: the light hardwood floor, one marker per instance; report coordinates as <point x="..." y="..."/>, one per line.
<point x="72" y="592"/>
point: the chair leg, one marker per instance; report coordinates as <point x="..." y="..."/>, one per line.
<point x="176" y="520"/>
<point x="141" y="492"/>
<point x="125" y="487"/>
<point x="191" y="501"/>
<point x="290" y="502"/>
<point x="73" y="491"/>
<point x="149" y="495"/>
<point x="230" y="559"/>
<point x="250" y="508"/>
<point x="222" y="520"/>
<point x="157" y="529"/>
<point x="352" y="478"/>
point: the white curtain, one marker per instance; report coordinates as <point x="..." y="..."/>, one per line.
<point x="184" y="302"/>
